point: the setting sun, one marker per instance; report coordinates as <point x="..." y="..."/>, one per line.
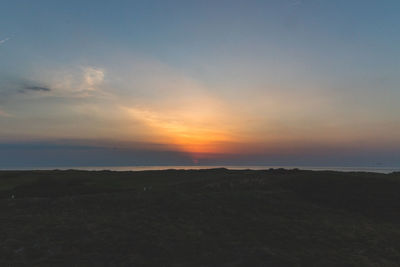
<point x="192" y="136"/>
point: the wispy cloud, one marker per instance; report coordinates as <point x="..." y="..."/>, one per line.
<point x="296" y="3"/>
<point x="4" y="40"/>
<point x="93" y="77"/>
<point x="71" y="82"/>
<point x="4" y="114"/>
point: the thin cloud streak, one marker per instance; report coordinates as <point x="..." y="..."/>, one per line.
<point x="4" y="40"/>
<point x="37" y="88"/>
<point x="4" y="114"/>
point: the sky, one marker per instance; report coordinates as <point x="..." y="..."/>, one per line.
<point x="288" y="82"/>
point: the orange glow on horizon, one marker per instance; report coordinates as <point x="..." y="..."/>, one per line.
<point x="194" y="137"/>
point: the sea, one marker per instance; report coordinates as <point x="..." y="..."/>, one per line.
<point x="199" y="167"/>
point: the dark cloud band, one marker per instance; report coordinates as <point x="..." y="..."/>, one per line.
<point x="37" y="88"/>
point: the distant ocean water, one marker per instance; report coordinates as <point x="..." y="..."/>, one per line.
<point x="197" y="167"/>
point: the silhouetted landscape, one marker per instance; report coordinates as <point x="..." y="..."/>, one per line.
<point x="214" y="217"/>
<point x="98" y="98"/>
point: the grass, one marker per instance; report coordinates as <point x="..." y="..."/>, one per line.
<point x="215" y="217"/>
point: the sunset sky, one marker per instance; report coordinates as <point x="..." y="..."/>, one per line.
<point x="284" y="82"/>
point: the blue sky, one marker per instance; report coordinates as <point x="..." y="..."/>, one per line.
<point x="217" y="81"/>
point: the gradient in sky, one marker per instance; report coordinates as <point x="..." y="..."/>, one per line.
<point x="288" y="82"/>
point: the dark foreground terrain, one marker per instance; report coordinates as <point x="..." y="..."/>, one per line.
<point x="215" y="217"/>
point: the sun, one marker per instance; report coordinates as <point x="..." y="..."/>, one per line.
<point x="195" y="136"/>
